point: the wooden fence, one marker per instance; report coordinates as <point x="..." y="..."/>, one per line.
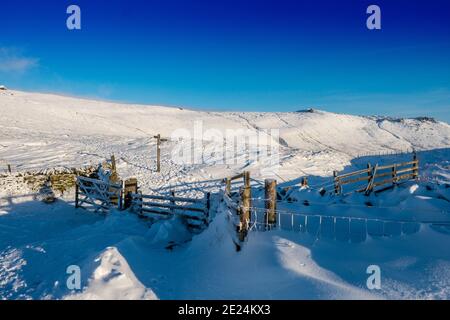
<point x="101" y="196"/>
<point x="341" y="228"/>
<point x="244" y="217"/>
<point x="195" y="211"/>
<point x="386" y="176"/>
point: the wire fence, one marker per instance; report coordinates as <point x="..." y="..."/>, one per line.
<point x="386" y="153"/>
<point x="325" y="226"/>
<point x="343" y="228"/>
<point x="307" y="203"/>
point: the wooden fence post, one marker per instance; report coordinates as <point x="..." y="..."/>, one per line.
<point x="120" y="200"/>
<point x="242" y="232"/>
<point x="416" y="166"/>
<point x="270" y="187"/>
<point x="113" y="164"/>
<point x="394" y="174"/>
<point x="228" y="186"/>
<point x="337" y="187"/>
<point x="76" y="194"/>
<point x="158" y="152"/>
<point x="304" y="181"/>
<point x="371" y="181"/>
<point x="208" y="204"/>
<point x="130" y="186"/>
<point x="9" y="168"/>
<point x="369" y="173"/>
<point x="172" y="202"/>
<point x="141" y="200"/>
<point x="246" y="202"/>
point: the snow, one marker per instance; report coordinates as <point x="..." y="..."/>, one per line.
<point x="113" y="280"/>
<point x="124" y="257"/>
<point x="120" y="260"/>
<point x="39" y="130"/>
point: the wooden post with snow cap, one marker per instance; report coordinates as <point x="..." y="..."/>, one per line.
<point x="270" y="187"/>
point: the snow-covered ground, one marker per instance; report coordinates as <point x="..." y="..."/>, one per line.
<point x="40" y="130"/>
<point x="122" y="257"/>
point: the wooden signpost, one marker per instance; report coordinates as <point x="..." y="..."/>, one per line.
<point x="158" y="151"/>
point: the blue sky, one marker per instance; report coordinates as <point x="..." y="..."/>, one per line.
<point x="249" y="55"/>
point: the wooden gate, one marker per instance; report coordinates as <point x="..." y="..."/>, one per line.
<point x="195" y="211"/>
<point x="97" y="195"/>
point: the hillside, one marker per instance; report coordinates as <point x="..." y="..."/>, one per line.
<point x="43" y="130"/>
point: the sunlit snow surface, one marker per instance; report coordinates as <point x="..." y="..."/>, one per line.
<point x="122" y="257"/>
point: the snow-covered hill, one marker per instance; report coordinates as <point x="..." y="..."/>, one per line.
<point x="43" y="130"/>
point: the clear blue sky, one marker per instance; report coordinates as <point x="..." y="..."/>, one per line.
<point x="251" y="55"/>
